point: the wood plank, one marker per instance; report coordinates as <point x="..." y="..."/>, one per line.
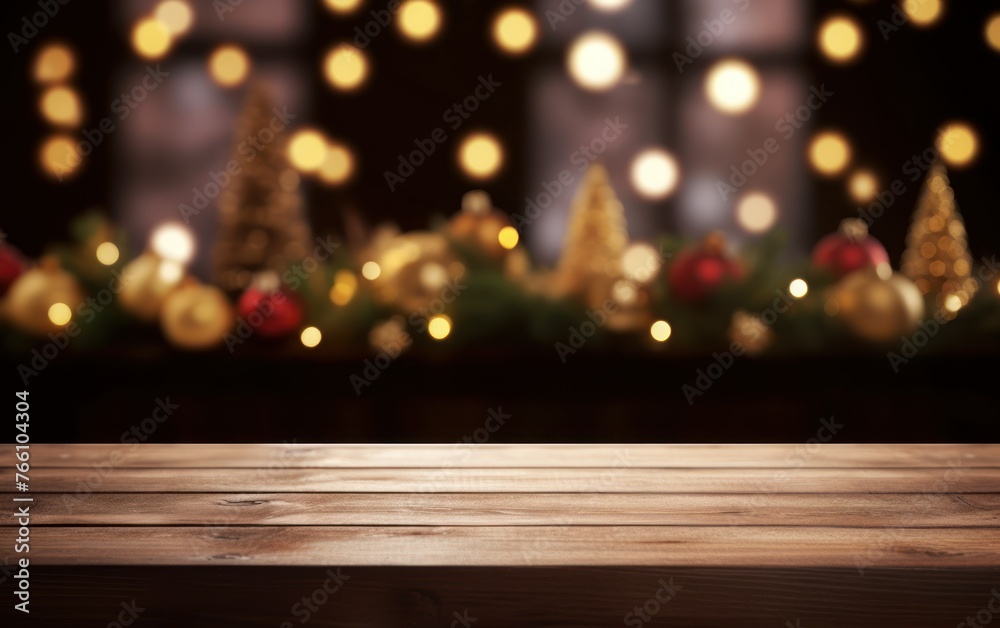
<point x="517" y="509"/>
<point x="576" y="480"/>
<point x="577" y="597"/>
<point x="816" y="455"/>
<point x="502" y="546"/>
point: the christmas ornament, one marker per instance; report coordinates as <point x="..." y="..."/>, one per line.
<point x="595" y="241"/>
<point x="751" y="332"/>
<point x="478" y="224"/>
<point x="698" y="271"/>
<point x="269" y="308"/>
<point x="937" y="254"/>
<point x="146" y="282"/>
<point x="877" y="309"/>
<point x="848" y="249"/>
<point x="196" y="316"/>
<point x="262" y="225"/>
<point x="43" y="299"/>
<point x="415" y="270"/>
<point x="12" y="264"/>
<point x="632" y="312"/>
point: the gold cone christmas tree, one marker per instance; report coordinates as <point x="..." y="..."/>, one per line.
<point x="595" y="241"/>
<point x="262" y="226"/>
<point x="937" y="256"/>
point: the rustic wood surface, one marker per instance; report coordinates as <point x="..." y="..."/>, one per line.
<point x="534" y="535"/>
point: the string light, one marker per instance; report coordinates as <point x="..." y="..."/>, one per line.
<point x="840" y="39"/>
<point x="798" y="288"/>
<point x="345" y="67"/>
<point x="515" y="30"/>
<point x="862" y="186"/>
<point x="660" y="331"/>
<point x="419" y="20"/>
<point x="596" y="61"/>
<point x="107" y="253"/>
<point x="54" y="64"/>
<point x="307" y="150"/>
<point x="175" y="15"/>
<point x="958" y="144"/>
<point x="732" y="86"/>
<point x="60" y="314"/>
<point x="229" y="65"/>
<point x="61" y="106"/>
<point x="829" y="153"/>
<point x="59" y="157"/>
<point x="480" y="155"/>
<point x="173" y="242"/>
<point x="439" y="327"/>
<point x="756" y="212"/>
<point x="150" y="38"/>
<point x="655" y="173"/>
<point x="508" y="237"/>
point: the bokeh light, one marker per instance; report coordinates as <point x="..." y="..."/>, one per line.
<point x="61" y="106"/>
<point x="640" y="262"/>
<point x="829" y="153"/>
<point x="922" y="12"/>
<point x="840" y="39"/>
<point x="345" y="67"/>
<point x="371" y="271"/>
<point x="311" y="337"/>
<point x="958" y="144"/>
<point x="58" y="156"/>
<point x="307" y="150"/>
<point x="150" y="39"/>
<point x="756" y="212"/>
<point x="175" y="15"/>
<point x="862" y="186"/>
<point x="596" y="61"/>
<point x="660" y="331"/>
<point x="345" y="284"/>
<point x="54" y="64"/>
<point x="508" y="237"/>
<point x="610" y="5"/>
<point x="419" y="20"/>
<point x="173" y="242"/>
<point x="992" y="32"/>
<point x="798" y="288"/>
<point x="229" y="66"/>
<point x="107" y="253"/>
<point x="343" y="6"/>
<point x="60" y="314"/>
<point x="338" y="164"/>
<point x="515" y="30"/>
<point x="732" y="86"/>
<point x="480" y="155"/>
<point x="439" y="327"/>
<point x="654" y="173"/>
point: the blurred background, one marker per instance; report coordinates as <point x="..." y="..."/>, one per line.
<point x="690" y="161"/>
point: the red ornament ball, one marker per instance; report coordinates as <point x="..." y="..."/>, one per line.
<point x="698" y="271"/>
<point x="849" y="249"/>
<point x="269" y="309"/>
<point x="12" y="265"/>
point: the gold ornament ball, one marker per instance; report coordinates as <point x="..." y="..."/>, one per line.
<point x="33" y="294"/>
<point x="479" y="224"/>
<point x="146" y="282"/>
<point x="876" y="309"/>
<point x="415" y="268"/>
<point x="196" y="316"/>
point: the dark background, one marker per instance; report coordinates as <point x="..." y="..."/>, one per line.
<point x="900" y="91"/>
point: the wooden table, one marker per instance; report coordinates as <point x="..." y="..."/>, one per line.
<point x="514" y="535"/>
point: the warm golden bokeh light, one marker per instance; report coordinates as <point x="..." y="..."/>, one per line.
<point x="173" y="242"/>
<point x="419" y="20"/>
<point x="59" y="157"/>
<point x="829" y="153"/>
<point x="439" y="327"/>
<point x="480" y="155"/>
<point x="515" y="30"/>
<point x="654" y="173"/>
<point x="150" y="39"/>
<point x="371" y="271"/>
<point x="862" y="186"/>
<point x="660" y="331"/>
<point x="640" y="262"/>
<point x="840" y="39"/>
<point x="175" y="15"/>
<point x="508" y="237"/>
<point x="610" y="5"/>
<point x="596" y="61"/>
<point x="61" y="106"/>
<point x="958" y="144"/>
<point x="992" y="32"/>
<point x="311" y="337"/>
<point x="60" y="314"/>
<point x="338" y="164"/>
<point x="922" y="12"/>
<point x="307" y="150"/>
<point x="732" y="86"/>
<point x="54" y="64"/>
<point x="107" y="253"/>
<point x="345" y="284"/>
<point x="756" y="212"/>
<point x="229" y="66"/>
<point x="345" y="67"/>
<point x="798" y="288"/>
<point x="343" y="6"/>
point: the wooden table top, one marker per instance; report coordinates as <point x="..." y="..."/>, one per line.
<point x="831" y="505"/>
